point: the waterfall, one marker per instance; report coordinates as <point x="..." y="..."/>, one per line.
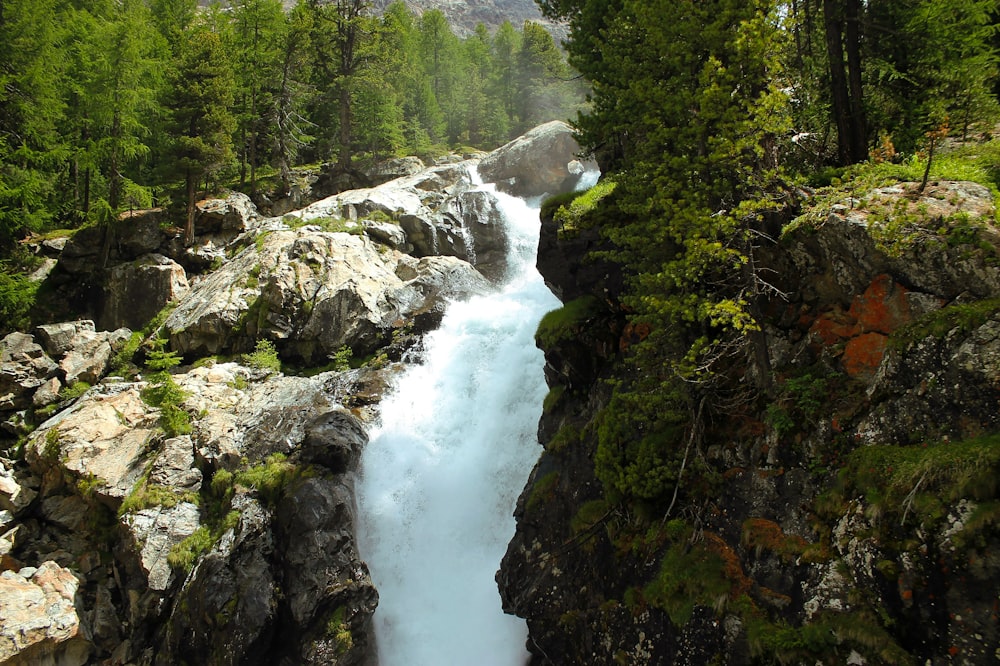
<point x="442" y="472"/>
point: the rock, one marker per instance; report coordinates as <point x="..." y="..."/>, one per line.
<point x="398" y="167"/>
<point x="315" y="292"/>
<point x="24" y="367"/>
<point x="103" y="438"/>
<point x="387" y="233"/>
<point x="140" y="232"/>
<point x="228" y="216"/>
<point x="334" y="440"/>
<point x="135" y="292"/>
<point x="154" y="531"/>
<point x="543" y="161"/>
<point x="90" y="355"/>
<point x="59" y="338"/>
<point x="327" y="582"/>
<point x="47" y="393"/>
<point x="175" y="467"/>
<point x="39" y="624"/>
<point x="14" y="495"/>
<point x="227" y="605"/>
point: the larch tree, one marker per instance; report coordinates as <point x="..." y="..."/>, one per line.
<point x="201" y="122"/>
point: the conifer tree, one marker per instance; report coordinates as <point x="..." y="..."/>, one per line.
<point x="201" y="123"/>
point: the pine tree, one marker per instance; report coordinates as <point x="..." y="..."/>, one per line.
<point x="201" y="123"/>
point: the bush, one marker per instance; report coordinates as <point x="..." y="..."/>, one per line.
<point x="263" y="357"/>
<point x="17" y="297"/>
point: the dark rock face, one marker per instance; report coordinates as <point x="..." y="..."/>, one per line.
<point x="905" y="338"/>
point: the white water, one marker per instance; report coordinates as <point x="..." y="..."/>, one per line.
<point x="441" y="474"/>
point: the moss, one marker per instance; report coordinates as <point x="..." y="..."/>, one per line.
<point x="339" y="631"/>
<point x="146" y="495"/>
<point x="74" y="391"/>
<point x="764" y="535"/>
<point x="271" y="477"/>
<point x="564" y="323"/>
<point x="917" y="482"/>
<point x="576" y="212"/>
<point x="963" y="317"/>
<point x="707" y="573"/>
<point x="52" y="447"/>
<point x="588" y="515"/>
<point x="183" y="555"/>
<point x="826" y="634"/>
<point x="552" y="398"/>
<point x="564" y="438"/>
<point x="543" y="490"/>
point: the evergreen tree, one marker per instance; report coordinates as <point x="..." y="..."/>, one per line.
<point x="256" y="51"/>
<point x="292" y="130"/>
<point x="201" y="123"/>
<point x="31" y="112"/>
<point x="541" y="74"/>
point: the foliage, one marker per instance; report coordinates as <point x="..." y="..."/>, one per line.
<point x="163" y="392"/>
<point x="271" y="477"/>
<point x="338" y="629"/>
<point x="183" y="555"/>
<point x="564" y="323"/>
<point x="963" y="317"/>
<point x="263" y="357"/>
<point x="17" y="297"/>
<point x="74" y="391"/>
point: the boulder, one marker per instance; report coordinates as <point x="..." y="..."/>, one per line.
<point x="15" y="496"/>
<point x="391" y="169"/>
<point x="88" y="358"/>
<point x="227" y="605"/>
<point x="103" y="437"/>
<point x="312" y="291"/>
<point x="140" y="232"/>
<point x="39" y="624"/>
<point x="58" y="338"/>
<point x="228" y="216"/>
<point x="135" y="292"/>
<point x="24" y="367"/>
<point x="154" y="531"/>
<point x="543" y="161"/>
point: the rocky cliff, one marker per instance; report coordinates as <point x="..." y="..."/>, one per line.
<point x="849" y="518"/>
<point x="183" y="493"/>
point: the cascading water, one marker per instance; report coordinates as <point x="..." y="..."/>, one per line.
<point x="442" y="472"/>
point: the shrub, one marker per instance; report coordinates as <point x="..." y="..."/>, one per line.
<point x="263" y="357"/>
<point x="563" y="323"/>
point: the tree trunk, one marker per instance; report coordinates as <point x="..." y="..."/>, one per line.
<point x="191" y="185"/>
<point x="859" y="131"/>
<point x="833" y="23"/>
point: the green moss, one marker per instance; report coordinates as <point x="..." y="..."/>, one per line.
<point x="566" y="322"/>
<point x="963" y="317"/>
<point x="552" y="398"/>
<point x="825" y="634"/>
<point x="543" y="490"/>
<point x="271" y="477"/>
<point x="707" y="573"/>
<point x="576" y="212"/>
<point x="146" y="495"/>
<point x="52" y="447"/>
<point x="183" y="555"/>
<point x="588" y="515"/>
<point x="919" y="482"/>
<point x="74" y="391"/>
<point x="339" y="631"/>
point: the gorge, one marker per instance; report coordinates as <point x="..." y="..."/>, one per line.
<point x="208" y="515"/>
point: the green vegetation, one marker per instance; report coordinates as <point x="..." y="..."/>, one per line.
<point x="566" y="322"/>
<point x="160" y="98"/>
<point x="338" y="630"/>
<point x="164" y="393"/>
<point x="74" y="391"/>
<point x="577" y="211"/>
<point x="263" y="357"/>
<point x="963" y="317"/>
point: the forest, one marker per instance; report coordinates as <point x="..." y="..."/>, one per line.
<point x="111" y="105"/>
<point x="713" y="123"/>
